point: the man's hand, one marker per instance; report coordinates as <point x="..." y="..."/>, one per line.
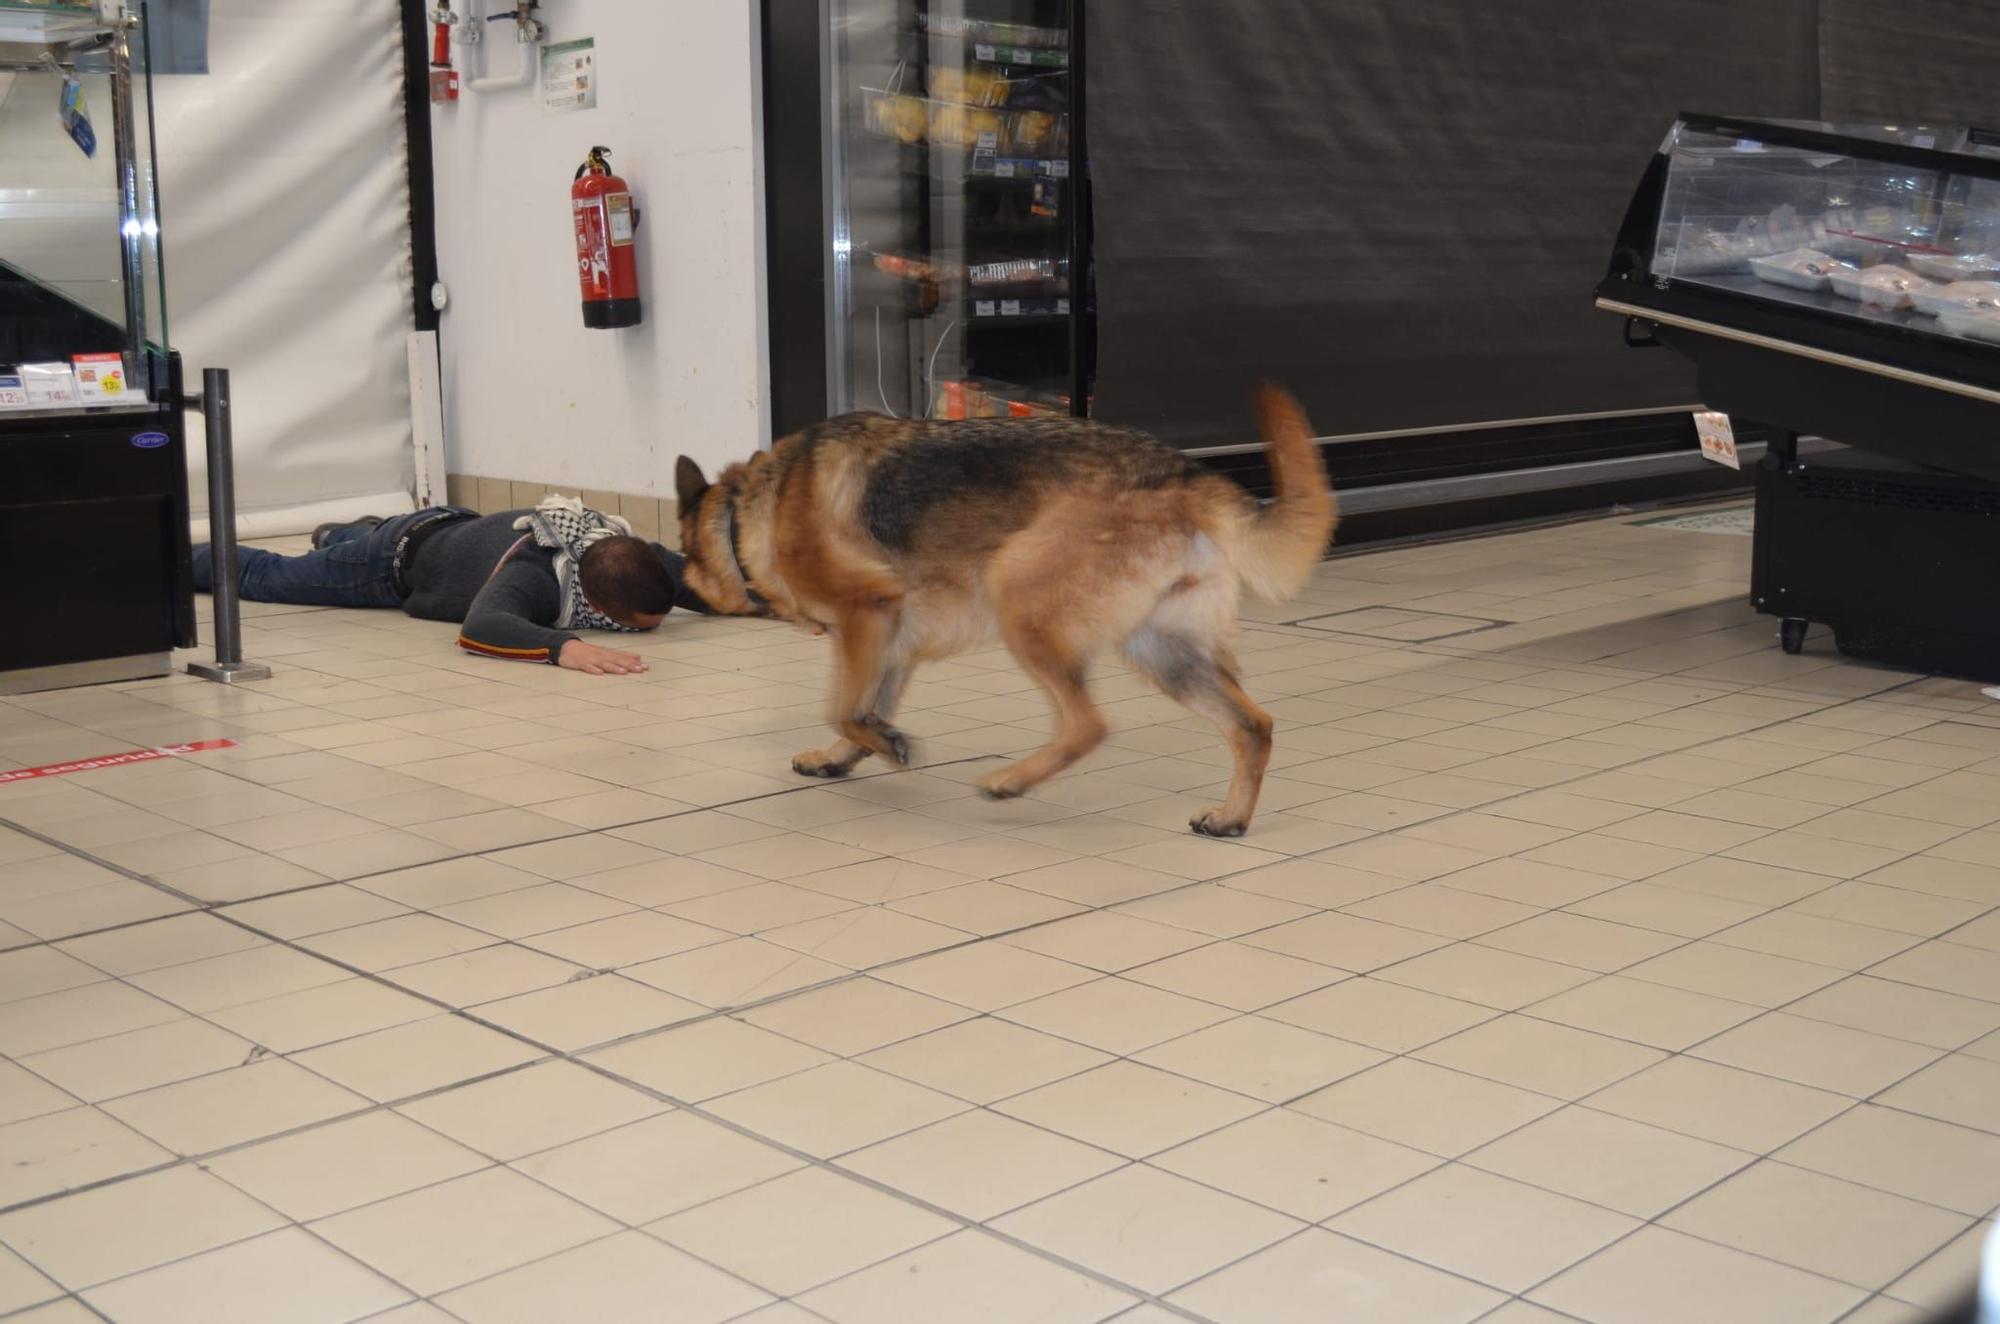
<point x="576" y="655"/>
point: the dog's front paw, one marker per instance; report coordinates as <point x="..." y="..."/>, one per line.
<point x="1000" y="786"/>
<point x="1214" y="823"/>
<point x="815" y="763"/>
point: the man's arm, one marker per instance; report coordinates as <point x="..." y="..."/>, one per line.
<point x="511" y="616"/>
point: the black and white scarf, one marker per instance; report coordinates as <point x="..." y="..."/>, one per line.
<point x="567" y="527"/>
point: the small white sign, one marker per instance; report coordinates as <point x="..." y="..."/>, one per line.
<point x="100" y="378"/>
<point x="13" y="393"/>
<point x="49" y="383"/>
<point x="1718" y="439"/>
<point x="569" y="74"/>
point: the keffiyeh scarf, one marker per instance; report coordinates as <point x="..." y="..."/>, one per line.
<point x="567" y="527"/>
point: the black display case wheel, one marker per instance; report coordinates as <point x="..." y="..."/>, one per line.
<point x="1792" y="633"/>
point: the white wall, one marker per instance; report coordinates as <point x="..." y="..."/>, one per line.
<point x="532" y="395"/>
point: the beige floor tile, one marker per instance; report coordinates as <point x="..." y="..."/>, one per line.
<point x="1645" y="1013"/>
<point x="967" y="1278"/>
<point x="465" y="979"/>
<point x="230" y="1107"/>
<point x="1894" y="908"/>
<point x="1832" y="1228"/>
<point x="33" y="971"/>
<point x="1116" y="1015"/>
<point x="801" y="1230"/>
<point x="23" y="1094"/>
<point x="315" y="910"/>
<point x="287" y="1274"/>
<point x="656" y="1167"/>
<point x="985" y="907"/>
<point x="984" y="1060"/>
<point x="622" y="1277"/>
<point x="1577" y="940"/>
<point x="1088" y="881"/>
<point x="734" y="974"/>
<point x="1627" y="1166"/>
<point x="1920" y="1015"/>
<point x="699" y="1061"/>
<point x="1265" y="1059"/>
<point x="1533" y="1054"/>
<point x="1940" y="1281"/>
<point x="1827" y="1057"/>
<point x="1484" y="1227"/>
<point x="442" y="1236"/>
<point x="1610" y="857"/>
<point x="448" y="882"/>
<point x="310" y="1017"/>
<point x="1947" y="967"/>
<point x="1805" y="937"/>
<point x="239" y="977"/>
<point x="423" y="1055"/>
<point x="1315" y="883"/>
<point x="1146" y="1227"/>
<point x="21" y="1285"/>
<point x="665" y="882"/>
<point x="855" y="1016"/>
<point x="1129" y="1109"/>
<point x="535" y="1108"/>
<point x="532" y="910"/>
<point x="1427" y="1107"/>
<point x="863" y="938"/>
<point x="1730" y="1107"/>
<point x="835" y="1108"/>
<point x="403" y="940"/>
<point x="1105" y="941"/>
<point x="1405" y="855"/>
<point x="1236" y="975"/>
<point x="1381" y="1015"/>
<point x="1666" y="910"/>
<point x="621" y="939"/>
<point x="89" y="1238"/>
<point x="1319" y="1276"/>
<point x="987" y="976"/>
<point x="1218" y="911"/>
<point x="980" y="1165"/>
<point x="1734" y="973"/>
<point x="1346" y="942"/>
<point x="1662" y="1277"/>
<point x="1936" y="1162"/>
<point x="333" y="1168"/>
<point x="748" y="910"/>
<point x="1445" y="911"/>
<point x="1295" y="1164"/>
<point x="575" y="1015"/>
<point x="1527" y="882"/>
<point x="1960" y="1089"/>
<point x="78" y="1015"/>
<point x="62" y="1150"/>
<point x="126" y="1063"/>
<point x="1485" y="976"/>
<point x="1742" y="880"/>
<point x="1523" y="1312"/>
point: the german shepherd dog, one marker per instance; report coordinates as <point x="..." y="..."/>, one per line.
<point x="910" y="540"/>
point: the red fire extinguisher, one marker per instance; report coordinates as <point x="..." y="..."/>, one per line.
<point x="606" y="263"/>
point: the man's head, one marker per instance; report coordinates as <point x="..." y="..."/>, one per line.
<point x="624" y="579"/>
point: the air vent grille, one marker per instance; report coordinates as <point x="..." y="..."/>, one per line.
<point x="1863" y="490"/>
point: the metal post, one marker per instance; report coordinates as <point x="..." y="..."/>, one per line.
<point x="131" y="226"/>
<point x="229" y="666"/>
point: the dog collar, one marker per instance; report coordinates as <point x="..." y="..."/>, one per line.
<point x="757" y="599"/>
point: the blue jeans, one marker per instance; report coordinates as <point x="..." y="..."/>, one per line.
<point x="356" y="568"/>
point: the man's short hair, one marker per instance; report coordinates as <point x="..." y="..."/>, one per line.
<point x="623" y="578"/>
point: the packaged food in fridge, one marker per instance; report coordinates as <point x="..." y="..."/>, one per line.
<point x="1955" y="266"/>
<point x="1975" y="325"/>
<point x="1881" y="286"/>
<point x="896" y="116"/>
<point x="1034" y="132"/>
<point x="972" y="87"/>
<point x="964" y="126"/>
<point x="1960" y="296"/>
<point x="1802" y="268"/>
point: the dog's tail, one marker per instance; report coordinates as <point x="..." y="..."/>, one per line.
<point x="1279" y="545"/>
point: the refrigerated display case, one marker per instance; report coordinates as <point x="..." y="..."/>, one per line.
<point x="1841" y="283"/>
<point x="956" y="272"/>
<point x="93" y="470"/>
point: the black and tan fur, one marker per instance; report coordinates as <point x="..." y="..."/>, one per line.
<point x="911" y="540"/>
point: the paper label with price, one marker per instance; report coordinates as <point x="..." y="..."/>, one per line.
<point x="1718" y="439"/>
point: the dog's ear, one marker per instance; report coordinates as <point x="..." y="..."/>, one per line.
<point x="689" y="483"/>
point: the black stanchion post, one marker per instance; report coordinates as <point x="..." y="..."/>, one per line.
<point x="229" y="666"/>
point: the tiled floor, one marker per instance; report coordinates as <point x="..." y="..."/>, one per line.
<point x="1591" y="960"/>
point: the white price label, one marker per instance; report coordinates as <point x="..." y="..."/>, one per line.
<point x="983" y="52"/>
<point x="1003" y="169"/>
<point x="1062" y="306"/>
<point x="1059" y="169"/>
<point x="13" y="394"/>
<point x="1010" y="307"/>
<point x="982" y="308"/>
<point x="1022" y="55"/>
<point x="1718" y="438"/>
<point x="988" y="140"/>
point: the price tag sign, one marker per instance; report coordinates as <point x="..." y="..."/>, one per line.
<point x="989" y="141"/>
<point x="1003" y="169"/>
<point x="1010" y="307"/>
<point x="1022" y="55"/>
<point x="1062" y="306"/>
<point x="982" y="308"/>
<point x="985" y="53"/>
<point x="1059" y="168"/>
<point x="1718" y="439"/>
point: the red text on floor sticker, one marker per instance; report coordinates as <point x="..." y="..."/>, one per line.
<point x="113" y="760"/>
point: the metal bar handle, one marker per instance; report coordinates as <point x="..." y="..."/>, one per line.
<point x="229" y="665"/>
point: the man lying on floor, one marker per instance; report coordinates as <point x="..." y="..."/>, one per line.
<point x="520" y="582"/>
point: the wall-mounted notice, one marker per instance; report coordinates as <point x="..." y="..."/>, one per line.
<point x="569" y="74"/>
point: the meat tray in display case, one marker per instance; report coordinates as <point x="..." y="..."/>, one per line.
<point x="1841" y="285"/>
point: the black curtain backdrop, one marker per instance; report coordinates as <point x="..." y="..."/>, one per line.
<point x="1400" y="207"/>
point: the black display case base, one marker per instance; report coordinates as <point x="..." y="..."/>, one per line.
<point x="101" y="671"/>
<point x="1900" y="561"/>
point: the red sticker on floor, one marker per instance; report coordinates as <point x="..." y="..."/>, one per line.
<point x="113" y="760"/>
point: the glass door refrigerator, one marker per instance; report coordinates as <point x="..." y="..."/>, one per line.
<point x="950" y="230"/>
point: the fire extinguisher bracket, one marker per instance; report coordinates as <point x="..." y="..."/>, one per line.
<point x="606" y="224"/>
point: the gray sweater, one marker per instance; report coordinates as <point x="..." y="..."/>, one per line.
<point x="511" y="613"/>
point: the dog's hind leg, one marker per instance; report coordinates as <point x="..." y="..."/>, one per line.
<point x="839" y="758"/>
<point x="1200" y="674"/>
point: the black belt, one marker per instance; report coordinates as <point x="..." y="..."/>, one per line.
<point x="420" y="531"/>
